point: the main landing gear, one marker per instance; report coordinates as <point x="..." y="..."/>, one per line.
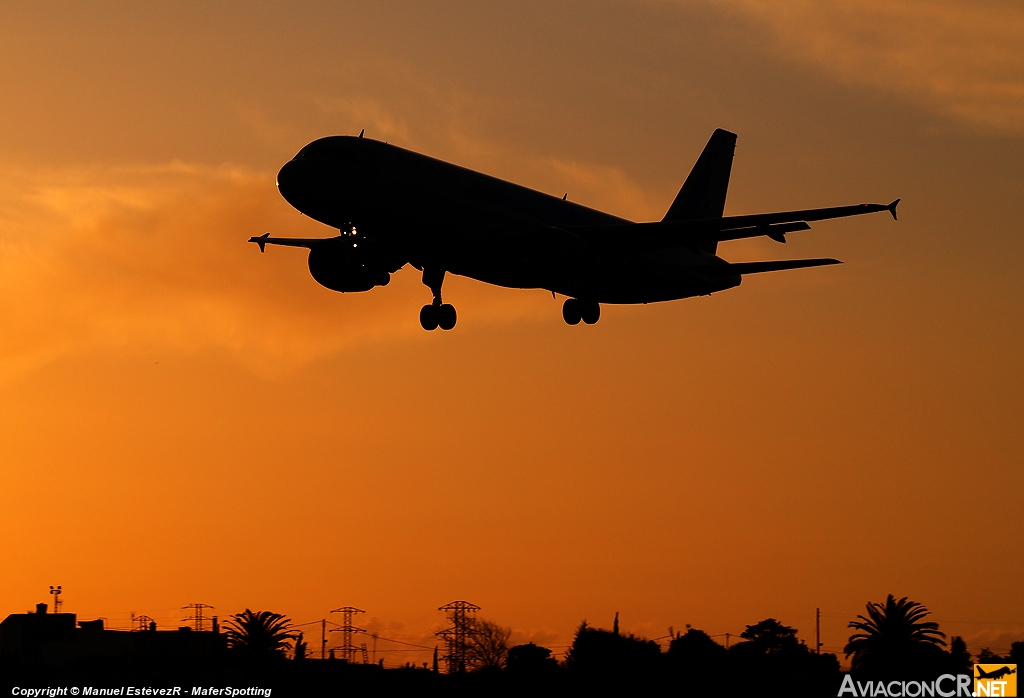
<point x="574" y="310"/>
<point x="437" y="314"/>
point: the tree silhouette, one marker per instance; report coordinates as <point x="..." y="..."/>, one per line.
<point x="894" y="638"/>
<point x="259" y="635"/>
<point x="772" y="661"/>
<point x="959" y="656"/>
<point x="488" y="646"/>
<point x="695" y="649"/>
<point x="606" y="655"/>
<point x="770" y="637"/>
<point x="301" y="647"/>
<point x="1017" y="653"/>
<point x="987" y="656"/>
<point x="698" y="662"/>
<point x="530" y="659"/>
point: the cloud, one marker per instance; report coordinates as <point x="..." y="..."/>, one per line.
<point x="155" y="258"/>
<point x="962" y="59"/>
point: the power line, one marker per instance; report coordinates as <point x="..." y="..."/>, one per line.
<point x="410" y="644"/>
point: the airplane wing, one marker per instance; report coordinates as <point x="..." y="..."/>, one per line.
<point x="690" y="233"/>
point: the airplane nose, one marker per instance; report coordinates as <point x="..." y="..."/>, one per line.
<point x="289" y="181"/>
<point x="311" y="184"/>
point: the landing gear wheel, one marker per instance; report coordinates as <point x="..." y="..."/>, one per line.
<point x="446" y="316"/>
<point x="590" y="312"/>
<point x="438" y="313"/>
<point x="429" y="317"/>
<point x="571" y="311"/>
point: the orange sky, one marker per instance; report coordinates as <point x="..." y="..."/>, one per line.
<point x="183" y="419"/>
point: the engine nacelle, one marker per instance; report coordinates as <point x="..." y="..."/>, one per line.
<point x="345" y="268"/>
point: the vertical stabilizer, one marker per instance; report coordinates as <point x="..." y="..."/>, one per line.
<point x="703" y="192"/>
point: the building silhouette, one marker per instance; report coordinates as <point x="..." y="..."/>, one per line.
<point x="60" y="639"/>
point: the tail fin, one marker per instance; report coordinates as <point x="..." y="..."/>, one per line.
<point x="703" y="192"/>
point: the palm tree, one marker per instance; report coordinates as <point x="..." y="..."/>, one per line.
<point x="894" y="637"/>
<point x="258" y="635"/>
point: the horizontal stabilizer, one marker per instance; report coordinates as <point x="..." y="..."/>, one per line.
<point x="759" y="267"/>
<point x="810" y="214"/>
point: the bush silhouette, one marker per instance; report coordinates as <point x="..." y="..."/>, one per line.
<point x="530" y="659"/>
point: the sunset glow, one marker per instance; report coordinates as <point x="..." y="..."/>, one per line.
<point x="184" y="419"/>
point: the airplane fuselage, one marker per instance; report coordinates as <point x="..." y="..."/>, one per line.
<point x="394" y="207"/>
<point x="432" y="214"/>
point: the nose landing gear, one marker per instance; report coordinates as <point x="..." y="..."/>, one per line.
<point x="574" y="310"/>
<point x="437" y="314"/>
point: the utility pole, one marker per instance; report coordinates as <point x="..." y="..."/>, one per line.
<point x="197" y="616"/>
<point x="817" y="630"/>
<point x="323" y="638"/>
<point x="348" y="650"/>
<point x="461" y="614"/>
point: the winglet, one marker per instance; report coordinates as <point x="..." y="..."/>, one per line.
<point x="261" y="241"/>
<point x="361" y="132"/>
<point x="891" y="208"/>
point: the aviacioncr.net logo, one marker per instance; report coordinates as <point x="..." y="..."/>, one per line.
<point x="995" y="680"/>
<point x="946" y="686"/>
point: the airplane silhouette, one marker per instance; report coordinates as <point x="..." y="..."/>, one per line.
<point x="996" y="674"/>
<point x="394" y="207"/>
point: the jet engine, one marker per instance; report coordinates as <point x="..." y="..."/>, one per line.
<point x="345" y="266"/>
